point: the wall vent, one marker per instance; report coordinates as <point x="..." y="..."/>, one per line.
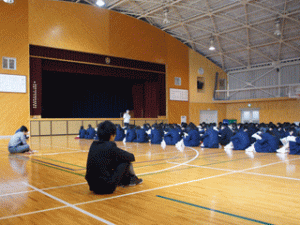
<point x="9" y="63"/>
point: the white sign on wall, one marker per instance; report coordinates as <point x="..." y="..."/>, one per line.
<point x="12" y="83"/>
<point x="179" y="94"/>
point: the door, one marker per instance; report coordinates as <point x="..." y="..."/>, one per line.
<point x="250" y="116"/>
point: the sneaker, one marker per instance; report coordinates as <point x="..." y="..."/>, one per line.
<point x="135" y="181"/>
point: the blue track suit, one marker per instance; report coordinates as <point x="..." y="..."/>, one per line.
<point x="193" y="139"/>
<point x="130" y="135"/>
<point x="267" y="144"/>
<point x="119" y="135"/>
<point x="241" y="140"/>
<point x="82" y="133"/>
<point x="211" y="139"/>
<point x="141" y="136"/>
<point x="295" y="147"/>
<point x="172" y="137"/>
<point x="226" y="135"/>
<point x="90" y="133"/>
<point x="156" y="136"/>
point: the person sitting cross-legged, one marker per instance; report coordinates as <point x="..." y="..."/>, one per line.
<point x="17" y="143"/>
<point x="107" y="165"/>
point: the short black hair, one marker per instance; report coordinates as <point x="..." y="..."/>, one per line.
<point x="105" y="130"/>
<point x="23" y="129"/>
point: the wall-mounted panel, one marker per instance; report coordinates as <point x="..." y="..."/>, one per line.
<point x="45" y="128"/>
<point x="59" y="127"/>
<point x="74" y="126"/>
<point x="35" y="128"/>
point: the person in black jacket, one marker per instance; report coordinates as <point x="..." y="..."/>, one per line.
<point x="107" y="165"/>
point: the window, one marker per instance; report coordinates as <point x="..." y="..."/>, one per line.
<point x="250" y="115"/>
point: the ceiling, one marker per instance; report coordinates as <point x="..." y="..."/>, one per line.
<point x="242" y="30"/>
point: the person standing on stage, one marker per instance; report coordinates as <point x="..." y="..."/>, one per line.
<point x="126" y="118"/>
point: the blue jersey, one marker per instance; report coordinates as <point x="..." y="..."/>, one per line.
<point x="172" y="137"/>
<point x="241" y="140"/>
<point x="193" y="139"/>
<point x="267" y="143"/>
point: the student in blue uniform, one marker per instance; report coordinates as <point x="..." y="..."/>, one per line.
<point x="210" y="137"/>
<point x="82" y="132"/>
<point x="141" y="135"/>
<point x="225" y="134"/>
<point x="120" y="135"/>
<point x="131" y="134"/>
<point x="156" y="135"/>
<point x="241" y="140"/>
<point x="295" y="146"/>
<point x="17" y="143"/>
<point x="90" y="132"/>
<point x="172" y="136"/>
<point x="266" y="142"/>
<point x="191" y="136"/>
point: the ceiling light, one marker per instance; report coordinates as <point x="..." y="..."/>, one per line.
<point x="277" y="26"/>
<point x="100" y="3"/>
<point x="166" y="21"/>
<point x="211" y="46"/>
<point x="9" y="1"/>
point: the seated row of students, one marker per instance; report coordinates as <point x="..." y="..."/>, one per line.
<point x="89" y="133"/>
<point x="253" y="137"/>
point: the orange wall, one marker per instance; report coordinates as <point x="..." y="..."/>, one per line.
<point x="285" y="110"/>
<point x="203" y="100"/>
<point x="14" y="43"/>
<point x="177" y="66"/>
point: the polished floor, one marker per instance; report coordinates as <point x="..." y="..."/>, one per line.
<point x="196" y="186"/>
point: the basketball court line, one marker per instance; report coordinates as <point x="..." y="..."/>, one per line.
<point x="178" y="184"/>
<point x="213" y="210"/>
<point x="147" y="190"/>
<point x="69" y="205"/>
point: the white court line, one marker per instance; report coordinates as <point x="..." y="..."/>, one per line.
<point x="158" y="171"/>
<point x="58" y="153"/>
<point x="173" y="185"/>
<point x="70" y="205"/>
<point x="30" y="213"/>
<point x="205" y="167"/>
<point x="274" y="176"/>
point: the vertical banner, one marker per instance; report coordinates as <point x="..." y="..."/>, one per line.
<point x="35" y="86"/>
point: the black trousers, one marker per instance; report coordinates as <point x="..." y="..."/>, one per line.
<point x="121" y="176"/>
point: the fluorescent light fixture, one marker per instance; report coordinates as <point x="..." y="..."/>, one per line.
<point x="9" y="1"/>
<point x="211" y="46"/>
<point x="277" y="25"/>
<point x="100" y="3"/>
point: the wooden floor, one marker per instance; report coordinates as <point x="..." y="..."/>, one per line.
<point x="196" y="186"/>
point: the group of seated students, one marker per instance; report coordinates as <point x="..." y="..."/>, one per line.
<point x="250" y="137"/>
<point x="89" y="133"/>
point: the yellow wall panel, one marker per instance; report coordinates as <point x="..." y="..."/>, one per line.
<point x="135" y="39"/>
<point x="69" y="26"/>
<point x="59" y="127"/>
<point x="74" y="126"/>
<point x="197" y="61"/>
<point x="34" y="128"/>
<point x="14" y="43"/>
<point x="45" y="128"/>
<point x="286" y="110"/>
<point x="178" y="66"/>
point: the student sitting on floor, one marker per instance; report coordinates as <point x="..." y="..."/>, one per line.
<point x="17" y="143"/>
<point x="240" y="141"/>
<point x="120" y="135"/>
<point x="172" y="136"/>
<point x="156" y="135"/>
<point x="82" y="132"/>
<point x="90" y="132"/>
<point x="295" y="146"/>
<point x="191" y="136"/>
<point x="225" y="134"/>
<point x="107" y="165"/>
<point x="141" y="135"/>
<point x="210" y="137"/>
<point x="287" y="141"/>
<point x="266" y="142"/>
<point x="130" y="134"/>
